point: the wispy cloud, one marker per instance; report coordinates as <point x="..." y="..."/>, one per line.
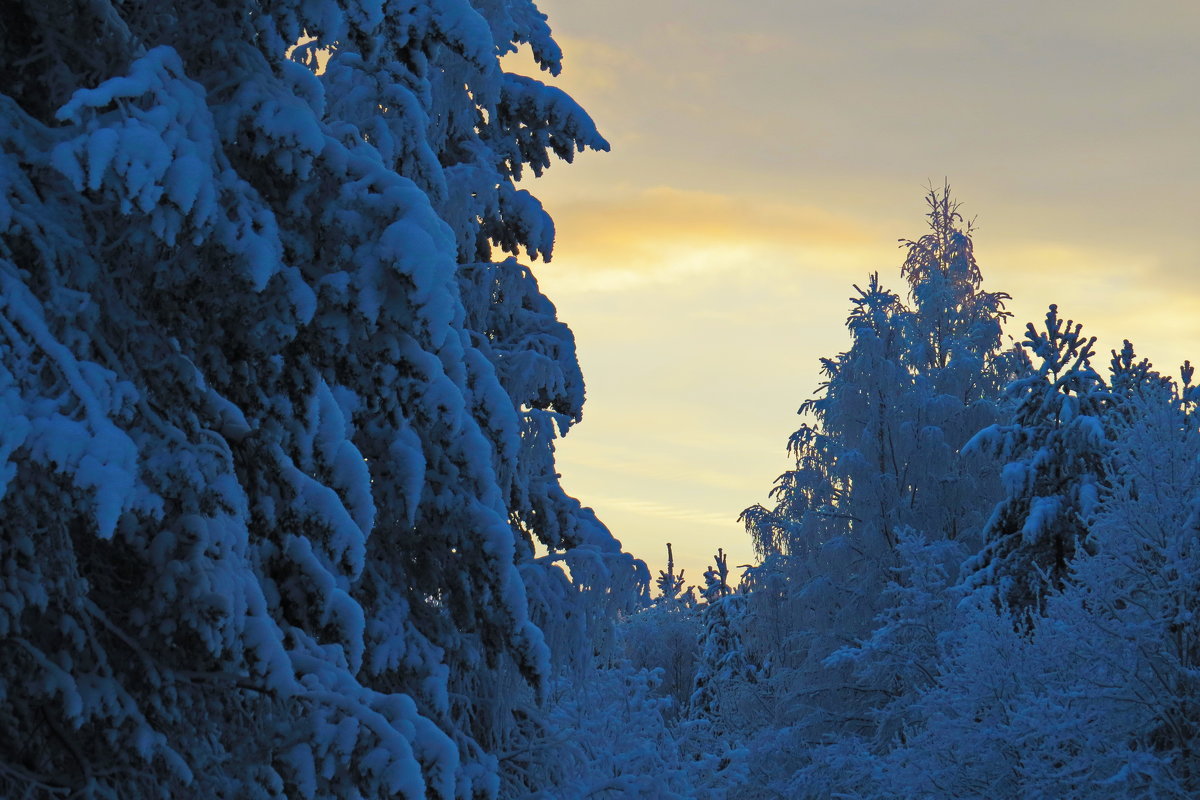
<point x="665" y="235"/>
<point x="662" y="510"/>
<point x="666" y="216"/>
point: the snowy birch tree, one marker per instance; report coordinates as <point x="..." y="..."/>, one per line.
<point x="918" y="381"/>
<point x="879" y="464"/>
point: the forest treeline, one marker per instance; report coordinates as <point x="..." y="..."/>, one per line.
<point x="279" y="513"/>
<point x="980" y="578"/>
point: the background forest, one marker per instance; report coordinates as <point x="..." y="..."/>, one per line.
<point x="279" y="511"/>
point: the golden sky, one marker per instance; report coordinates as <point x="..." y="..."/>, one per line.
<point x="767" y="154"/>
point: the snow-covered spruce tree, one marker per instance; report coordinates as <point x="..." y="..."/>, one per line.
<point x="670" y="583"/>
<point x="723" y="690"/>
<point x="1119" y="715"/>
<point x="534" y="358"/>
<point x="663" y="637"/>
<point x="1053" y="451"/>
<point x="268" y="487"/>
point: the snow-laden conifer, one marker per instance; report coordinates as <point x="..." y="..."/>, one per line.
<point x="273" y="464"/>
<point x="1053" y="452"/>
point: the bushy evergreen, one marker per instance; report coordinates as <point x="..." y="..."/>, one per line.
<point x="277" y="438"/>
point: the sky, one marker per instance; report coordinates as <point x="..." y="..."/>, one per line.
<point x="767" y="155"/>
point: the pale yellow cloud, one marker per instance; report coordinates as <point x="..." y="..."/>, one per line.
<point x="668" y="217"/>
<point x="656" y="509"/>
